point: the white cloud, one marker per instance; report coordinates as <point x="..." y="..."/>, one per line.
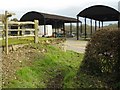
<point x="52" y="6"/>
<point x="48" y="4"/>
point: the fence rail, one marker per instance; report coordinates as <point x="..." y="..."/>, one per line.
<point x="6" y="30"/>
<point x="21" y="30"/>
<point x="20" y="23"/>
<point x="21" y="36"/>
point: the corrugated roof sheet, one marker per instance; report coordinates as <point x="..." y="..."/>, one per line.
<point x="40" y="16"/>
<point x="101" y="13"/>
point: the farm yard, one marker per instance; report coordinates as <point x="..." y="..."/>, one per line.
<point x="41" y="51"/>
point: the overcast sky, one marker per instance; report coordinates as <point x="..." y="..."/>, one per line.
<point x="61" y="7"/>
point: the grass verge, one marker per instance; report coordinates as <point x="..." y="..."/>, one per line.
<point x="53" y="68"/>
<point x="45" y="70"/>
<point x="24" y="40"/>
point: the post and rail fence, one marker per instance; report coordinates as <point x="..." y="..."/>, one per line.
<point x="6" y="29"/>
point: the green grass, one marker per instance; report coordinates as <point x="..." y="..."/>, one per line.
<point x="47" y="66"/>
<point x="44" y="68"/>
<point x="24" y="40"/>
<point x="26" y="78"/>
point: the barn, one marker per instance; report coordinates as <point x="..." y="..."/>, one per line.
<point x="98" y="13"/>
<point x="46" y="21"/>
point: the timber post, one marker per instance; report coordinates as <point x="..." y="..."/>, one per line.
<point x="77" y="28"/>
<point x="36" y="31"/>
<point x="18" y="30"/>
<point x="6" y="32"/>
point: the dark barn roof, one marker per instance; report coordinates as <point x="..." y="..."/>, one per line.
<point x="45" y="18"/>
<point x="60" y="18"/>
<point x="101" y="13"/>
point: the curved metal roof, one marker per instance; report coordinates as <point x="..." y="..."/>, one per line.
<point x="101" y="13"/>
<point x="49" y="18"/>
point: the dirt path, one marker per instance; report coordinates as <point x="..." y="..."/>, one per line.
<point x="75" y="45"/>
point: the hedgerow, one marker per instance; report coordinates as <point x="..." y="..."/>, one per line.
<point x="102" y="55"/>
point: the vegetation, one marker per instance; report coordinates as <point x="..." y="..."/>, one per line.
<point x="88" y="29"/>
<point x="52" y="68"/>
<point x="25" y="40"/>
<point x="47" y="66"/>
<point x="14" y="19"/>
<point x="102" y="56"/>
<point x="113" y="26"/>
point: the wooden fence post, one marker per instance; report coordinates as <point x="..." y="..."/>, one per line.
<point x="18" y="30"/>
<point x="6" y="32"/>
<point x="36" y="31"/>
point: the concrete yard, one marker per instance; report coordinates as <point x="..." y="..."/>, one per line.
<point x="75" y="45"/>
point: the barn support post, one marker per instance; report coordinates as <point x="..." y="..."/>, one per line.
<point x="64" y="29"/>
<point x="77" y="28"/>
<point x="95" y="25"/>
<point x="36" y="31"/>
<point x="70" y="28"/>
<point x="55" y="29"/>
<point x="99" y="24"/>
<point x="44" y="27"/>
<point x="102" y="24"/>
<point x="85" y="29"/>
<point x="81" y="29"/>
<point x="6" y="32"/>
<point x="91" y="26"/>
